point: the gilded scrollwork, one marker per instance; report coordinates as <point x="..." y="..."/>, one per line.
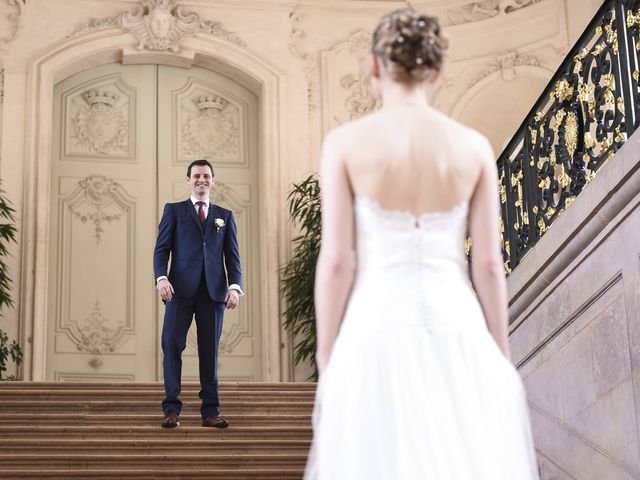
<point x="579" y="125"/>
<point x="214" y="131"/>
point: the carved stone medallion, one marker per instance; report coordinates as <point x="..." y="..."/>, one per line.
<point x="160" y="24"/>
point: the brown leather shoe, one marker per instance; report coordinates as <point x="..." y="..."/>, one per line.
<point x="217" y="422"/>
<point x="171" y="420"/>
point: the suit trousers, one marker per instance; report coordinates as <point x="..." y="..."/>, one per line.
<point x="179" y="313"/>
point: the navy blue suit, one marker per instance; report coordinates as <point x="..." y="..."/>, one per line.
<point x="204" y="262"/>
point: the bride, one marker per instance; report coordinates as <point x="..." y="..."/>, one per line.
<point x="415" y="377"/>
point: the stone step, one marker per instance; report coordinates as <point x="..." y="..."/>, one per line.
<point x="158" y="386"/>
<point x="91" y="394"/>
<point x="186" y="430"/>
<point x="145" y="420"/>
<point x="157" y="446"/>
<point x="137" y="461"/>
<point x="152" y="405"/>
<point x="64" y="430"/>
<point x="148" y="474"/>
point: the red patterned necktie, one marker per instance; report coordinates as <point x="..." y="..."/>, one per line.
<point x="201" y="211"/>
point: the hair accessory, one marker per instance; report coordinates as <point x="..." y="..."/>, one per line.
<point x="431" y="40"/>
<point x="422" y="23"/>
<point x="419" y="61"/>
<point x="400" y="39"/>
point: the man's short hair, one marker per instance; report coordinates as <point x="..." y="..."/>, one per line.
<point x="200" y="163"/>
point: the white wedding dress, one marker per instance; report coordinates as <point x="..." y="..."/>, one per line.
<point x="416" y="387"/>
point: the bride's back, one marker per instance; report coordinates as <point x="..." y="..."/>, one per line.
<point x="412" y="158"/>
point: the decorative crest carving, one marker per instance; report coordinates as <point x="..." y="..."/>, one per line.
<point x="100" y="99"/>
<point x="99" y="125"/>
<point x="212" y="132"/>
<point x="211" y="101"/>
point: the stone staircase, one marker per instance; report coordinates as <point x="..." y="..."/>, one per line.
<point x="112" y="431"/>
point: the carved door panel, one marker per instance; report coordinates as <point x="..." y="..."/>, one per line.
<point x="205" y="115"/>
<point x="123" y="137"/>
<point x="101" y="317"/>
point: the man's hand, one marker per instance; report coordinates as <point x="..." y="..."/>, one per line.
<point x="232" y="299"/>
<point x="165" y="289"/>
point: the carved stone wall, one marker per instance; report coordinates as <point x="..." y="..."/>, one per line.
<point x="575" y="335"/>
<point x="315" y="53"/>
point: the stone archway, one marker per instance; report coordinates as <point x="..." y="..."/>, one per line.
<point x="111" y="45"/>
<point x="489" y="105"/>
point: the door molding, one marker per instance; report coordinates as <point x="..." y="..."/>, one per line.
<point x="112" y="46"/>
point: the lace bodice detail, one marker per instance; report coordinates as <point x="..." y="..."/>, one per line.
<point x="388" y="238"/>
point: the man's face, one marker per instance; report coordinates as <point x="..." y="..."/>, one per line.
<point x="200" y="181"/>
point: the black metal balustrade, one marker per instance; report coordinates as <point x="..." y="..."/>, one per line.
<point x="586" y="113"/>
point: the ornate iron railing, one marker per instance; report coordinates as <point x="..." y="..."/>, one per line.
<point x="586" y="113"/>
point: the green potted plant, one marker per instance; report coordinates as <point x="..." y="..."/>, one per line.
<point x="8" y="350"/>
<point x="297" y="276"/>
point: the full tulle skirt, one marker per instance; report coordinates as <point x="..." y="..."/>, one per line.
<point x="406" y="398"/>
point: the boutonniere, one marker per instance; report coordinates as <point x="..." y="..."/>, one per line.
<point x="219" y="223"/>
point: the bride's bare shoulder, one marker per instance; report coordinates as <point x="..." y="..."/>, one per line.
<point x="353" y="130"/>
<point x="471" y="138"/>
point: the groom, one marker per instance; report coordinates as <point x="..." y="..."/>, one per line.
<point x="205" y="277"/>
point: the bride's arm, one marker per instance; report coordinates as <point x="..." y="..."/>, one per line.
<point x="335" y="268"/>
<point x="486" y="258"/>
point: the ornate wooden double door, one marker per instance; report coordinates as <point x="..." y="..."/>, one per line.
<point x="123" y="138"/>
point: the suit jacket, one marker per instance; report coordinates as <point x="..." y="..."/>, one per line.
<point x="194" y="250"/>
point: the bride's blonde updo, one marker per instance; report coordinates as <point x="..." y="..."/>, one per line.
<point x="410" y="45"/>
